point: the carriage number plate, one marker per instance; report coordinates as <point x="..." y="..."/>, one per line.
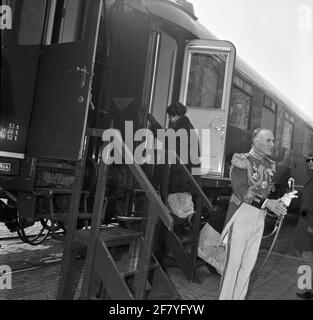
<point x="5" y="167"/>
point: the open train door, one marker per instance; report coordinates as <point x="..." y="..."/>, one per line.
<point x="64" y="80"/>
<point x="20" y="55"/>
<point x="205" y="90"/>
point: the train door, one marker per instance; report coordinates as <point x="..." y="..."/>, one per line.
<point x="163" y="76"/>
<point x="64" y="79"/>
<point x="20" y="55"/>
<point x="205" y="90"/>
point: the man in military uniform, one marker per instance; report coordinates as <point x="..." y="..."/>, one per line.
<point x="251" y="177"/>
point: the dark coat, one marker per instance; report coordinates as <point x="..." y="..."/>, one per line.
<point x="177" y="179"/>
<point x="304" y="233"/>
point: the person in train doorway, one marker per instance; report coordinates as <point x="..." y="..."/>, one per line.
<point x="251" y="178"/>
<point x="303" y="240"/>
<point x="179" y="120"/>
<point x="178" y="191"/>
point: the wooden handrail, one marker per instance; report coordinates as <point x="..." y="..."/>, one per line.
<point x="145" y="184"/>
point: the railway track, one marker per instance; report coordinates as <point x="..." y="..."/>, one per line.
<point x="38" y="267"/>
<point x="12" y="238"/>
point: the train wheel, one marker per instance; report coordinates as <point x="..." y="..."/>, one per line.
<point x="47" y="224"/>
<point x="33" y="240"/>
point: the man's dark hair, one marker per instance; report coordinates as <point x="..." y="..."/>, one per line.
<point x="176" y="109"/>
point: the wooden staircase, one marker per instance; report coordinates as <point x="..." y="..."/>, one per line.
<point x="121" y="258"/>
<point x="184" y="250"/>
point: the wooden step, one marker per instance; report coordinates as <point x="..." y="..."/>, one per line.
<point x="56" y="165"/>
<point x="130" y="218"/>
<point x="49" y="192"/>
<point x="129" y="266"/>
<point x="63" y="217"/>
<point x="224" y="198"/>
<point x="136" y="190"/>
<point x="112" y="236"/>
<point x="118" y="236"/>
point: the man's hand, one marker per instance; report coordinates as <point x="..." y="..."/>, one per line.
<point x="276" y="206"/>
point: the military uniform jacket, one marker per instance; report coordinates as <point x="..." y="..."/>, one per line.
<point x="251" y="178"/>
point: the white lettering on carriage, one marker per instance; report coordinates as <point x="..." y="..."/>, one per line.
<point x="5" y="17"/>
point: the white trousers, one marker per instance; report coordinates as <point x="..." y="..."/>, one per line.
<point x="244" y="239"/>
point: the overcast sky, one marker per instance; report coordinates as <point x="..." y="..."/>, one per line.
<point x="275" y="37"/>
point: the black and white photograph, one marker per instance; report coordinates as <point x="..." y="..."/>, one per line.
<point x="156" y="151"/>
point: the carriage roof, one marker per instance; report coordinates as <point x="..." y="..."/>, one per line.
<point x="176" y="14"/>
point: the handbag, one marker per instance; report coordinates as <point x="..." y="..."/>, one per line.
<point x="211" y="249"/>
<point x="181" y="204"/>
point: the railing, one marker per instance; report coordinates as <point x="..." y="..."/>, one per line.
<point x="146" y="185"/>
<point x="188" y="265"/>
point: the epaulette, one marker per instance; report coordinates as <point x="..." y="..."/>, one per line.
<point x="240" y="160"/>
<point x="272" y="164"/>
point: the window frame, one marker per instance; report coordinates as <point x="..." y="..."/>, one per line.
<point x="250" y="107"/>
<point x="290" y="119"/>
<point x="211" y="54"/>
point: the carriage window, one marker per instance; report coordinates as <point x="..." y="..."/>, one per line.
<point x="308" y="141"/>
<point x="287" y="137"/>
<point x="66" y="21"/>
<point x="239" y="109"/>
<point x="269" y="111"/>
<point x="32" y="20"/>
<point x="268" y="119"/>
<point x="206" y="81"/>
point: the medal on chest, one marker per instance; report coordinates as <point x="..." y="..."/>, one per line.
<point x="255" y="172"/>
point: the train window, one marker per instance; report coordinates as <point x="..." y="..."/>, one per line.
<point x="308" y="141"/>
<point x="289" y="117"/>
<point x="248" y="88"/>
<point x="273" y="106"/>
<point x="268" y="119"/>
<point x="239" y="109"/>
<point x="238" y="82"/>
<point x="267" y="102"/>
<point x="206" y="81"/>
<point x="66" y="21"/>
<point x="32" y="22"/>
<point x="287" y="137"/>
<point x="245" y="86"/>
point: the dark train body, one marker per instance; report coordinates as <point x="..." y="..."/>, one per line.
<point x="82" y="64"/>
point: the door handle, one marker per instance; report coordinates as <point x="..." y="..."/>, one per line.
<point x="222" y="129"/>
<point x="83" y="71"/>
<point x="219" y="126"/>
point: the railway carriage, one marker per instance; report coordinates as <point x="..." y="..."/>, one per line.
<point x="70" y="64"/>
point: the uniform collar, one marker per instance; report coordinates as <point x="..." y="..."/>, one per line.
<point x="256" y="154"/>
